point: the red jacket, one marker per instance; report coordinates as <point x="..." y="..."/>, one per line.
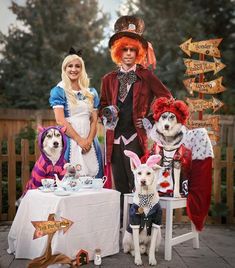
<point x="145" y="89"/>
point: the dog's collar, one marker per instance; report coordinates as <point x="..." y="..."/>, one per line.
<point x="169" y="150"/>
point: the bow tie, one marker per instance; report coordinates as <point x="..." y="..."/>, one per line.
<point x="127" y="76"/>
<point x="125" y="79"/>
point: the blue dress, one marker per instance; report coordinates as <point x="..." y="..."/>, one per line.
<point x="79" y="117"/>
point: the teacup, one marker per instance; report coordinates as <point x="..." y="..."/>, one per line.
<point x="85" y="180"/>
<point x="48" y="183"/>
<point x="99" y="182"/>
<point x="72" y="185"/>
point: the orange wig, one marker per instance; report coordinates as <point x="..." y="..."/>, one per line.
<point x="121" y="43"/>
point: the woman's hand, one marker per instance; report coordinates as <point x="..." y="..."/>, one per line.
<point x="85" y="144"/>
<point x="87" y="147"/>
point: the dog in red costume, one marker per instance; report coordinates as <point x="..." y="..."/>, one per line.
<point x="184" y="151"/>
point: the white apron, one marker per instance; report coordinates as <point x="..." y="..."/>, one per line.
<point x="80" y="121"/>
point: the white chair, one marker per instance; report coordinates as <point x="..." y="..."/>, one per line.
<point x="168" y="203"/>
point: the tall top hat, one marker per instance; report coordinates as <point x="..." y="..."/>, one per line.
<point x="129" y="26"/>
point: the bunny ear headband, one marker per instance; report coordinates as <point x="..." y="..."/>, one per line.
<point x="152" y="160"/>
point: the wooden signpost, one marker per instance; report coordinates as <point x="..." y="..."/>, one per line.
<point x="199" y="85"/>
<point x="51" y="226"/>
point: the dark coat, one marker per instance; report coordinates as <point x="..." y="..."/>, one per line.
<point x="145" y="89"/>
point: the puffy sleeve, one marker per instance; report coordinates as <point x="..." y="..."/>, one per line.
<point x="57" y="97"/>
<point x="199" y="142"/>
<point x="96" y="98"/>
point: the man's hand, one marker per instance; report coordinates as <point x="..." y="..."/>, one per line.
<point x="139" y="123"/>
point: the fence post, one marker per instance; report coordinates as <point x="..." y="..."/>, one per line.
<point x="25" y="169"/>
<point x="178" y="215"/>
<point x="217" y="178"/>
<point x="11" y="178"/>
<point x="229" y="183"/>
<point x="37" y="151"/>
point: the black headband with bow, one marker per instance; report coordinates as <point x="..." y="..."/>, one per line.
<point x="73" y="51"/>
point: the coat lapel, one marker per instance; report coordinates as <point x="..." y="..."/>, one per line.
<point x="114" y="93"/>
<point x="136" y="92"/>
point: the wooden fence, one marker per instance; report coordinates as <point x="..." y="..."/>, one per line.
<point x="13" y="121"/>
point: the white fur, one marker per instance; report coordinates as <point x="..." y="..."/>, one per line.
<point x="169" y="133"/>
<point x="168" y="126"/>
<point x="176" y="192"/>
<point x="139" y="243"/>
<point x="52" y="145"/>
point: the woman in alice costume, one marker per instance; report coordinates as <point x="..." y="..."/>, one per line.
<point x="75" y="106"/>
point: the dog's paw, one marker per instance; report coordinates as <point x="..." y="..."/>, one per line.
<point x="152" y="261"/>
<point x="138" y="261"/>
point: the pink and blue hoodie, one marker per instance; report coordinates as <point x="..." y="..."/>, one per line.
<point x="44" y="168"/>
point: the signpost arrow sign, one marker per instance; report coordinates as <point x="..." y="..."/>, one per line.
<point x="196" y="105"/>
<point x="211" y="87"/>
<point x="206" y="47"/>
<point x="50" y="226"/>
<point x="197" y="67"/>
<point x="211" y="122"/>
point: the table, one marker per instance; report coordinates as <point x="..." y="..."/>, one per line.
<point x="95" y="215"/>
<point x="168" y="203"/>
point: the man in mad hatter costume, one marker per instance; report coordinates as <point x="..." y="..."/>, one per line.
<point x="132" y="88"/>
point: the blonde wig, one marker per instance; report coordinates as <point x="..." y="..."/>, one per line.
<point x="83" y="80"/>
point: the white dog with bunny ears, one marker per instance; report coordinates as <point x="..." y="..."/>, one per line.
<point x="143" y="235"/>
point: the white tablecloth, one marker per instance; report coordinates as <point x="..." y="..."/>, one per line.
<point x="95" y="214"/>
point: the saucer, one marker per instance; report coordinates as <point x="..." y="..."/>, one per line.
<point x="86" y="186"/>
<point x="62" y="193"/>
<point x="46" y="190"/>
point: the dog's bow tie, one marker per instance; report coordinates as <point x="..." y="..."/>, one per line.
<point x="146" y="200"/>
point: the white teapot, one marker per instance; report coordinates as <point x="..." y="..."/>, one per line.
<point x="67" y="183"/>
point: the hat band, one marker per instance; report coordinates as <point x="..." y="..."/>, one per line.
<point x="130" y="31"/>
